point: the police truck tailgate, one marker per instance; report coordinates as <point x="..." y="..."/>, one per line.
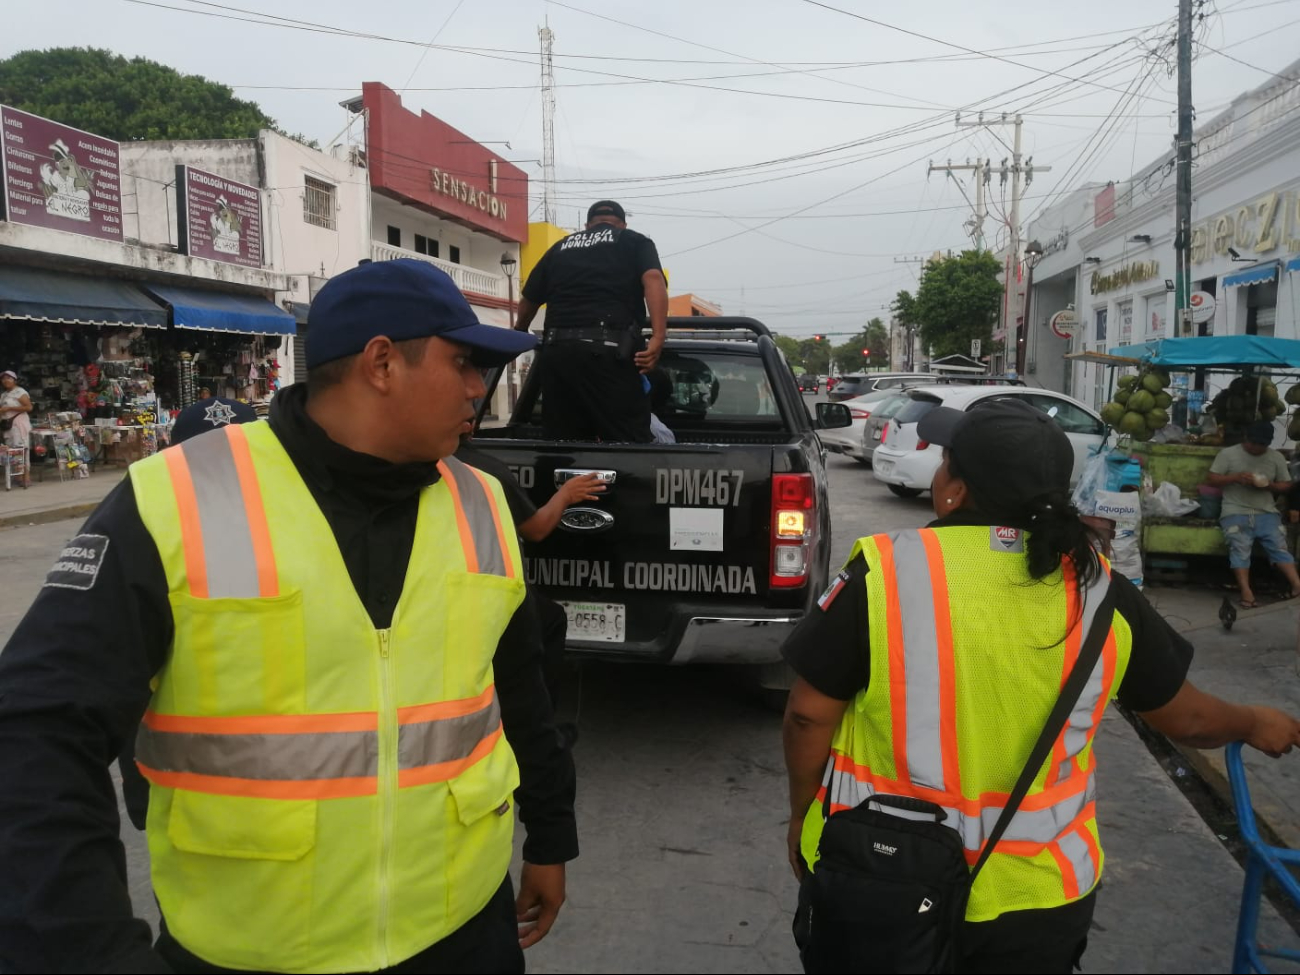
<point x="708" y="549"/>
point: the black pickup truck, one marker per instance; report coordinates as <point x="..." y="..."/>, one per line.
<point x="709" y="549"/>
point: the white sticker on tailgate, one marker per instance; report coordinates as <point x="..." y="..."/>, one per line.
<point x="602" y="622"/>
<point x="695" y="529"/>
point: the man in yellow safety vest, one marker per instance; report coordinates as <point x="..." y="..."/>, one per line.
<point x="316" y="629"/>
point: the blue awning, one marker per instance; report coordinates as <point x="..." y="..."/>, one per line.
<point x="1216" y="352"/>
<point x="1293" y="264"/>
<point x="213" y="311"/>
<point x="40" y="295"/>
<point x="1253" y="275"/>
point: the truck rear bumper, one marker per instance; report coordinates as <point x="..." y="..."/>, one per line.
<point x="734" y="640"/>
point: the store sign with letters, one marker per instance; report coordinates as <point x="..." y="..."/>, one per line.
<point x="59" y="177"/>
<point x="1122" y="277"/>
<point x="1265" y="226"/>
<point x="220" y="219"/>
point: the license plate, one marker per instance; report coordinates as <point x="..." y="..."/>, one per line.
<point x="884" y="466"/>
<point x="876" y="433"/>
<point x="601" y="622"/>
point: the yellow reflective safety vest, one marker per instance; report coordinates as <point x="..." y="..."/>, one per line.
<point x="325" y="796"/>
<point x="967" y="661"/>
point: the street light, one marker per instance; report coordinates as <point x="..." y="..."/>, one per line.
<point x="1033" y="254"/>
<point x="508" y="269"/>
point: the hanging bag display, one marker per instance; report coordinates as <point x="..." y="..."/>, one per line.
<point x="891" y="882"/>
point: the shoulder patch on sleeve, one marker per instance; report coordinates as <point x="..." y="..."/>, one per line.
<point x="79" y="563"/>
<point x="833" y="590"/>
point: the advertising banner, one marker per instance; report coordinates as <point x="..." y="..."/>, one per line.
<point x="59" y="177"/>
<point x="220" y="219"/>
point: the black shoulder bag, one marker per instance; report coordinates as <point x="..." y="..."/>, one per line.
<point x="889" y="893"/>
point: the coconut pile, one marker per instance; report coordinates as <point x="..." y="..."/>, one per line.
<point x="1141" y="404"/>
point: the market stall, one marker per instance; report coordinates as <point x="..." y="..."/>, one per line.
<point x="1177" y="435"/>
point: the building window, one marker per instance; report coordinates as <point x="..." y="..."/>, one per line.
<point x="395" y="236"/>
<point x="433" y="248"/>
<point x="1261" y="308"/>
<point x="421" y="244"/>
<point x="318" y="202"/>
<point x="453" y="254"/>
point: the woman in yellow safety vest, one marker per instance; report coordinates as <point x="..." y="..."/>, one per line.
<point x="932" y="662"/>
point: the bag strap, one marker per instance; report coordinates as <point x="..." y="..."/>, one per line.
<point x="1089" y="654"/>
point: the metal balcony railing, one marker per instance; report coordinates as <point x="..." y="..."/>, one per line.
<point x="466" y="278"/>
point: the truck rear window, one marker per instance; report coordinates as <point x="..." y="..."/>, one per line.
<point x="913" y="411"/>
<point x="708" y="385"/>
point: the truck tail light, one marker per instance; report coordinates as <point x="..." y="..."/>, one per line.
<point x="884" y="433"/>
<point x="794" y="527"/>
<point x="922" y="444"/>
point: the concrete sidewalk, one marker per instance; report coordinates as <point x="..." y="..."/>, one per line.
<point x="54" y="500"/>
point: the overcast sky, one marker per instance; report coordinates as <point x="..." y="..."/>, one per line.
<point x="820" y="241"/>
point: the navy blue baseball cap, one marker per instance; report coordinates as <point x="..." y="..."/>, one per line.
<point x="209" y="414"/>
<point x="402" y="299"/>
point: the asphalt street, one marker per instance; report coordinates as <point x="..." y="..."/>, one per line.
<point x="682" y="812"/>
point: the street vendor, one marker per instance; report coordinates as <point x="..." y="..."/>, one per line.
<point x="1251" y="474"/>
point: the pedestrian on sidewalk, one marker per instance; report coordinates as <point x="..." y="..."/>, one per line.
<point x="15" y="419"/>
<point x="306" y="622"/>
<point x="930" y="667"/>
<point x="1252" y="475"/>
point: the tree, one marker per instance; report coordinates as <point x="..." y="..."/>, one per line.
<point x="874" y="339"/>
<point x="956" y="302"/>
<point x="815" y="354"/>
<point x="125" y="100"/>
<point x="790" y="349"/>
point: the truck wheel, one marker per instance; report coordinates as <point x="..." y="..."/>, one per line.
<point x="904" y="492"/>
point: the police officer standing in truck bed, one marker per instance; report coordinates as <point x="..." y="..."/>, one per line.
<point x="596" y="285"/>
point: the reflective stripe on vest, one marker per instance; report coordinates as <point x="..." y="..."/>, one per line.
<point x="482" y="532"/>
<point x="924" y="712"/>
<point x="228" y="554"/>
<point x="318" y="756"/>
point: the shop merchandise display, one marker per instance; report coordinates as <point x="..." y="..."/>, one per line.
<point x="1141" y="404"/>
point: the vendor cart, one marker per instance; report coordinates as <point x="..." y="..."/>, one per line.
<point x="1187" y="465"/>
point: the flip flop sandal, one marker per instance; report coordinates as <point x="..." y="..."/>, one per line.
<point x="1248" y="603"/>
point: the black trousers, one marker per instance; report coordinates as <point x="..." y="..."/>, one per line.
<point x="591" y="392"/>
<point x="487" y="943"/>
<point x="1044" y="941"/>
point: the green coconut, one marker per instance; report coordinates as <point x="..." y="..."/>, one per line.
<point x="1157" y="419"/>
<point x="1293" y="395"/>
<point x="1152" y="383"/>
<point x="1141" y="401"/>
<point x="1144" y="434"/>
<point x="1165" y="378"/>
<point x="1127" y="382"/>
<point x="1122" y="395"/>
<point x="1163" y="400"/>
<point x="1112" y="413"/>
<point x="1133" y="423"/>
<point x="1268" y="412"/>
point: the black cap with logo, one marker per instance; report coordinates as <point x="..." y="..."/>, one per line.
<point x="1007" y="452"/>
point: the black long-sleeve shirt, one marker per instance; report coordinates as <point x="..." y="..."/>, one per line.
<point x="74" y="682"/>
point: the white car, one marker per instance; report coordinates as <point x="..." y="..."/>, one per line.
<point x="907" y="466"/>
<point x="848" y="440"/>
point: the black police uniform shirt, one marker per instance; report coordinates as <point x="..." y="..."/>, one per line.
<point x="831" y="647"/>
<point x="74" y="682"/>
<point x="594" y="276"/>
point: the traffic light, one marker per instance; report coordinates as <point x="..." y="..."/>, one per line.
<point x="817" y="338"/>
<point x="867" y="353"/>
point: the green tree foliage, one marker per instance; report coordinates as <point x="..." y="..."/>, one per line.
<point x="125" y="100"/>
<point x="956" y="301"/>
<point x="873" y="337"/>
<point x="789" y="347"/>
<point x="815" y="355"/>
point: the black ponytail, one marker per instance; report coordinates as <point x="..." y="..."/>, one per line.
<point x="1056" y="531"/>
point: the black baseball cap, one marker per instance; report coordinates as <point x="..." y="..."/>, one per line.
<point x="605" y="208"/>
<point x="209" y="414"/>
<point x="1260" y="432"/>
<point x="1007" y="452"/>
<point x="402" y="299"/>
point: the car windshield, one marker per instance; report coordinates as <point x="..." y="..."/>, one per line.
<point x="914" y="409"/>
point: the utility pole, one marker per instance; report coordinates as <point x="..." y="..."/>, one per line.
<point x="547" y="37"/>
<point x="1183" y="178"/>
<point x="982" y="175"/>
<point x="1019" y="167"/>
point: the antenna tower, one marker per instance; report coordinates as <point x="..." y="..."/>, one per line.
<point x="548" y="124"/>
